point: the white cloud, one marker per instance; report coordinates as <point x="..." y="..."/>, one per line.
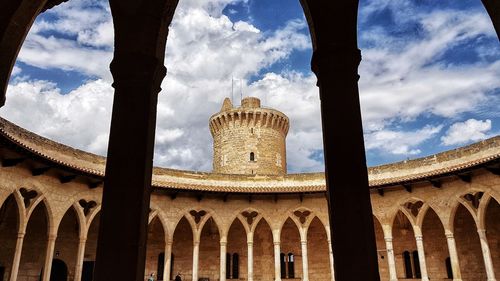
<point x="467" y="131"/>
<point x="400" y="142"/>
<point x="16" y="71"/>
<point x="80" y="118"/>
<point x="400" y="81"/>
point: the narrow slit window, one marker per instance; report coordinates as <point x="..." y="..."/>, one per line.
<point x="236" y="266"/>
<point x="408" y="268"/>
<point x="252" y="156"/>
<point x="291" y="265"/>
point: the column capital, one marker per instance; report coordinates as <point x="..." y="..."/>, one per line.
<point x="196" y="243"/>
<point x="388" y="239"/>
<point x="419" y="237"/>
<point x="223" y="243"/>
<point x="449" y="235"/>
<point x="52" y="237"/>
<point x="83" y="239"/>
<point x="277" y="243"/>
<point x="303" y="242"/>
<point x="332" y="58"/>
<point x="250" y="243"/>
<point x="134" y="68"/>
<point x="21" y="234"/>
<point x="481" y="231"/>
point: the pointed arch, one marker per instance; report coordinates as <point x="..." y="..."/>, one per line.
<point x="9" y="227"/>
<point x="492" y="226"/>
<point x="263" y="251"/>
<point x="468" y="245"/>
<point x="35" y="240"/>
<point x="155" y="246"/>
<point x="435" y="241"/>
<point x="237" y="244"/>
<point x="381" y="249"/>
<point x="403" y="237"/>
<point x="182" y="247"/>
<point x="290" y="243"/>
<point x="318" y="249"/>
<point x="67" y="241"/>
<point x="209" y="265"/>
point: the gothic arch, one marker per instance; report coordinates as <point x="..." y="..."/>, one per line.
<point x="435" y="244"/>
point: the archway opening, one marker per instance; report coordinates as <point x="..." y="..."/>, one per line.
<point x="318" y="252"/>
<point x="435" y="245"/>
<point x="66" y="247"/>
<point x="154" y="250"/>
<point x="59" y="271"/>
<point x="209" y="251"/>
<point x="182" y="249"/>
<point x="35" y="244"/>
<point x="493" y="233"/>
<point x="9" y="226"/>
<point x="237" y="253"/>
<point x="90" y="249"/>
<point x="263" y="252"/>
<point x="468" y="246"/>
<point x="404" y="245"/>
<point x="290" y="244"/>
<point x="383" y="266"/>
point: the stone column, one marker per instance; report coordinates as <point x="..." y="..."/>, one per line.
<point x="168" y="260"/>
<point x="335" y="62"/>
<point x="196" y="258"/>
<point x="452" y="248"/>
<point x="223" y="261"/>
<point x="305" y="263"/>
<point x="488" y="263"/>
<point x="17" y="256"/>
<point x="250" y="256"/>
<point x="49" y="255"/>
<point x="140" y="34"/>
<point x="332" y="270"/>
<point x="79" y="259"/>
<point x="421" y="256"/>
<point x="391" y="261"/>
<point x="277" y="262"/>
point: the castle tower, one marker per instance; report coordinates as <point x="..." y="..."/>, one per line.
<point x="249" y="139"/>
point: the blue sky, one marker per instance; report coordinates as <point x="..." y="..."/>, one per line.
<point x="429" y="77"/>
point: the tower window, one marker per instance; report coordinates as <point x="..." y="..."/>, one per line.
<point x="252" y="156"/>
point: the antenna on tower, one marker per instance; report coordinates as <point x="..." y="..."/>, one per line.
<point x="232" y="88"/>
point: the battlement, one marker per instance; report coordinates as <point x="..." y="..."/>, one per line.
<point x="249" y="139"/>
<point x="250" y="115"/>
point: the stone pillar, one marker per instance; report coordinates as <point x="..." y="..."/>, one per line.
<point x="277" y="262"/>
<point x="332" y="270"/>
<point x="17" y="256"/>
<point x="452" y="248"/>
<point x="140" y="35"/>
<point x="223" y="261"/>
<point x="250" y="256"/>
<point x="335" y="62"/>
<point x="196" y="258"/>
<point x="488" y="263"/>
<point x="49" y="255"/>
<point x="79" y="259"/>
<point x="305" y="262"/>
<point x="168" y="260"/>
<point x="421" y="256"/>
<point x="391" y="261"/>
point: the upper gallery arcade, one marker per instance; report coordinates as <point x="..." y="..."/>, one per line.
<point x="436" y="218"/>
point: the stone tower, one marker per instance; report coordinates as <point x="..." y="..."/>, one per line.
<point x="249" y="139"/>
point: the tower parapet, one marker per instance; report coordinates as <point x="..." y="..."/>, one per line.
<point x="249" y="139"/>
